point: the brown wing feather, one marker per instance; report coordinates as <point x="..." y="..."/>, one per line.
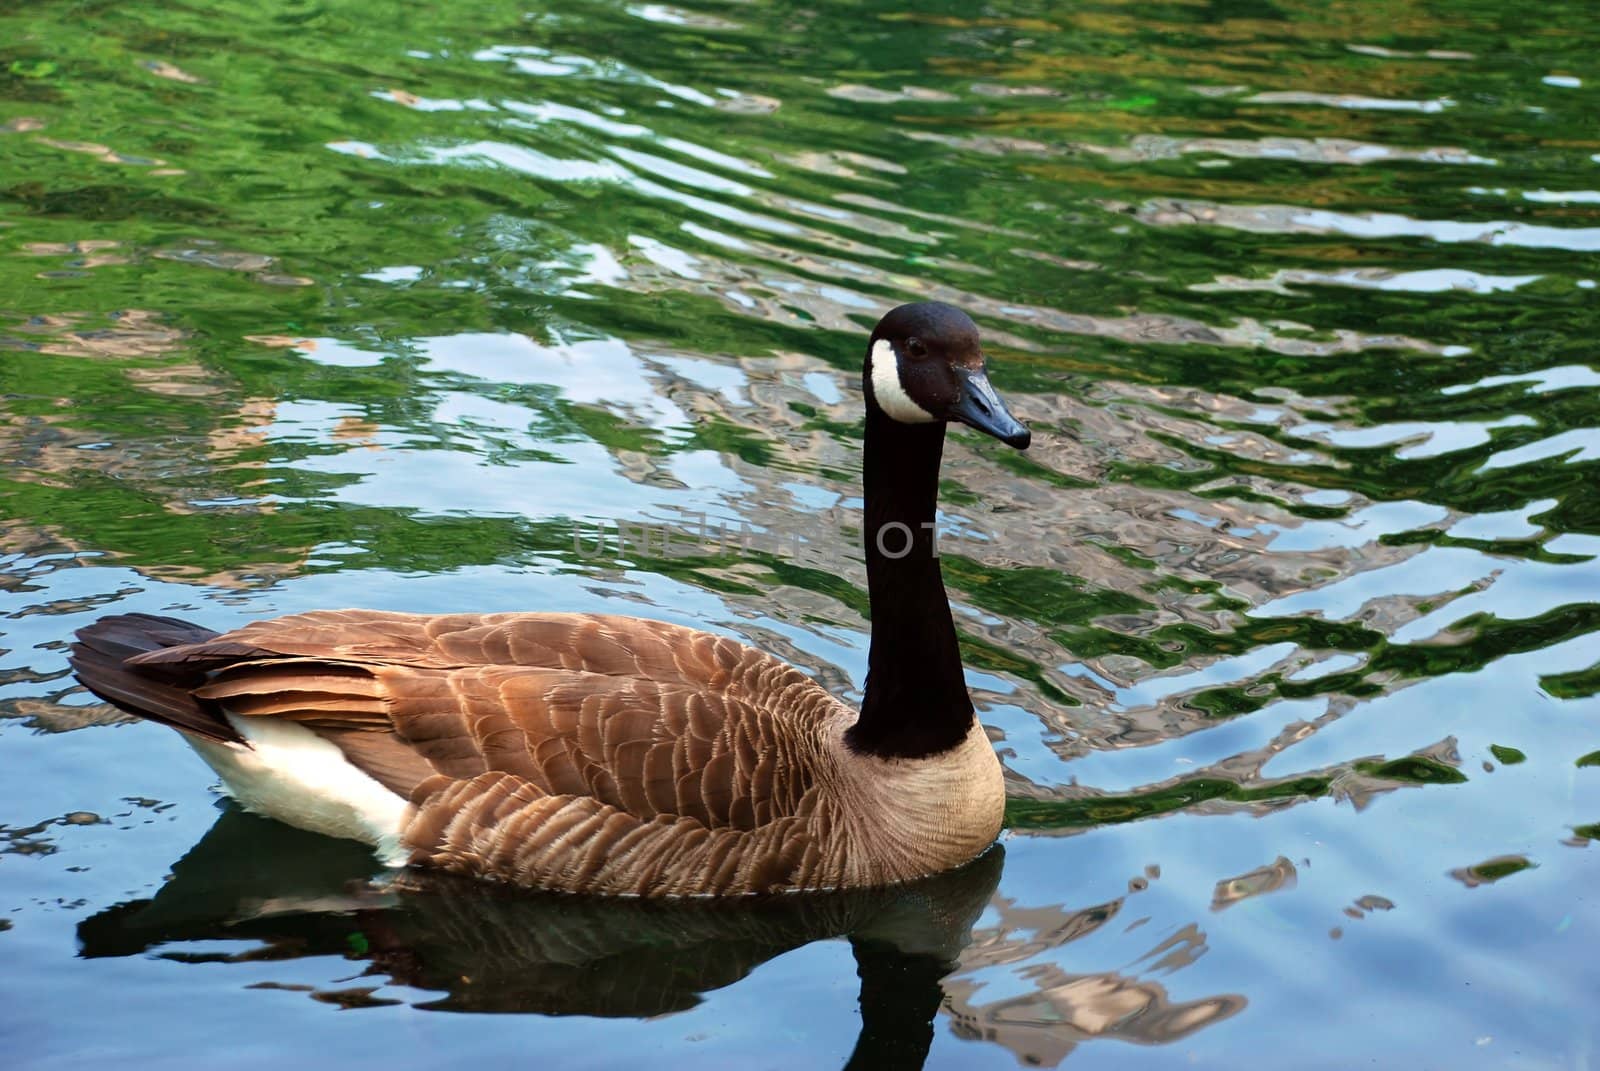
<point x="643" y="717"/>
<point x="608" y="737"/>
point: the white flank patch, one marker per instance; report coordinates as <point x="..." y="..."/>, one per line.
<point x="292" y="774"/>
<point x="888" y="390"/>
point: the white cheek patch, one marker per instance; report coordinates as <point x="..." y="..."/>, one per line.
<point x="888" y="390"/>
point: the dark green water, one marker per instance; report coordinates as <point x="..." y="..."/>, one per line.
<point x="1287" y="628"/>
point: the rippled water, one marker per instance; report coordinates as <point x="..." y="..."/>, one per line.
<point x="1287" y="628"/>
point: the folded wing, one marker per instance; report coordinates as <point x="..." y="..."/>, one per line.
<point x="642" y="716"/>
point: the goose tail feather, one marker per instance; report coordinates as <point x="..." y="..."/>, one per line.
<point x="107" y="660"/>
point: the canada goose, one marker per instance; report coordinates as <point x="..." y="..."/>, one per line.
<point x="601" y="754"/>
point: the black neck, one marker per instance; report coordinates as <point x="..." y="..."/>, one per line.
<point x="916" y="701"/>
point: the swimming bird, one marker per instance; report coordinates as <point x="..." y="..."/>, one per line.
<point x="602" y="754"/>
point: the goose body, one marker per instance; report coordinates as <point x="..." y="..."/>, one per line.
<point x="614" y="755"/>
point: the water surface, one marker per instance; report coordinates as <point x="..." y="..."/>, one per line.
<point x="1287" y="628"/>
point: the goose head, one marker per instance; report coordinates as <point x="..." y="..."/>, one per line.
<point x="926" y="366"/>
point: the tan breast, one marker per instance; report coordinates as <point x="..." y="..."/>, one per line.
<point x="905" y="818"/>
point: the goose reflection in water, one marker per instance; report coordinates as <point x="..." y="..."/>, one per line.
<point x="489" y="948"/>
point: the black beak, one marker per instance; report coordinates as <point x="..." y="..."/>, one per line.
<point x="980" y="407"/>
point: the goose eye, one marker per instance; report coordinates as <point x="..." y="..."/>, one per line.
<point x="915" y="349"/>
